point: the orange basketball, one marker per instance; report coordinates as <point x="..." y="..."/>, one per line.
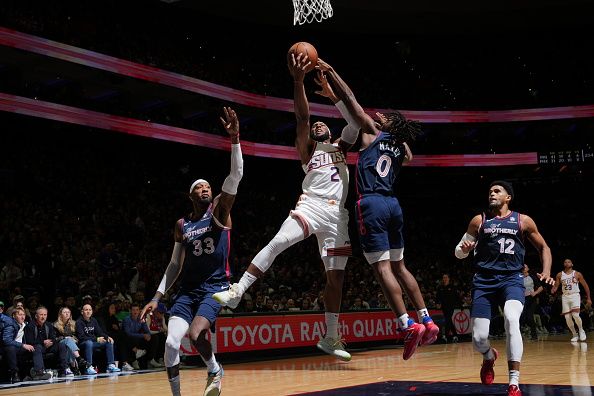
<point x="305" y="49"/>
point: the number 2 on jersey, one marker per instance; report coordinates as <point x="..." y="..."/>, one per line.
<point x="335" y="177"/>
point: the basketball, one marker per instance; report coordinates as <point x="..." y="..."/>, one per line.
<point x="305" y="49"/>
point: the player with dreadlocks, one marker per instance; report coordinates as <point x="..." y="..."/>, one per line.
<point x="384" y="150"/>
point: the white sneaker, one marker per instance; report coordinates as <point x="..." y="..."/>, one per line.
<point x="230" y="297"/>
<point x="135" y="365"/>
<point x="334" y="347"/>
<point x="213" y="383"/>
<point x="155" y="364"/>
<point x="140" y="353"/>
<point x="574" y="338"/>
<point x="582" y="335"/>
<point x="127" y="367"/>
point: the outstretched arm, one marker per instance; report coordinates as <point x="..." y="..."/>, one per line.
<point x="304" y="145"/>
<point x="350" y="132"/>
<point x="225" y="201"/>
<point x="344" y="93"/>
<point x="171" y="273"/>
<point x="586" y="288"/>
<point x="529" y="227"/>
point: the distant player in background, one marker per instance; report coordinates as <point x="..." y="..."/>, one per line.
<point x="200" y="255"/>
<point x="497" y="238"/>
<point x="569" y="280"/>
<point x="379" y="216"/>
<point x="320" y="211"/>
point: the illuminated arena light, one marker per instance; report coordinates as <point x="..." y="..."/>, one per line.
<point x="15" y="39"/>
<point x="73" y="115"/>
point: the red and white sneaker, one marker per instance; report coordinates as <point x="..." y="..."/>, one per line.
<point x="413" y="335"/>
<point x="487" y="372"/>
<point x="513" y="390"/>
<point x="431" y="332"/>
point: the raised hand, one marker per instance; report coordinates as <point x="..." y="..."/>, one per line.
<point x="325" y="88"/>
<point x="322" y="65"/>
<point x="230" y="122"/>
<point x="297" y="66"/>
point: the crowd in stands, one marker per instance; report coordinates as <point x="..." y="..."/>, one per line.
<point x="86" y="216"/>
<point x="87" y="229"/>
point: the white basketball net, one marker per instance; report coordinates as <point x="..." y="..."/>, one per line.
<point x="310" y="10"/>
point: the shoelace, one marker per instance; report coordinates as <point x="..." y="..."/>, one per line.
<point x="341" y="342"/>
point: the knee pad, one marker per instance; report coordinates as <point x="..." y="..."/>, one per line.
<point x="480" y="334"/>
<point x="177" y="328"/>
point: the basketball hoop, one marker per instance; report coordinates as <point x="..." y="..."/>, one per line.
<point x="310" y="10"/>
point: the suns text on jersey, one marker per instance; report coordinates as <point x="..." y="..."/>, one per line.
<point x="324" y="159"/>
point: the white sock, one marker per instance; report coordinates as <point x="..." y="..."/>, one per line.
<point x="331" y="324"/>
<point x="212" y="366"/>
<point x="246" y="281"/>
<point x="422" y="313"/>
<point x="489" y="355"/>
<point x="514" y="377"/>
<point x="174" y="384"/>
<point x="403" y="321"/>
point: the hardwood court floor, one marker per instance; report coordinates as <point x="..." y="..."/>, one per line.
<point x="552" y="360"/>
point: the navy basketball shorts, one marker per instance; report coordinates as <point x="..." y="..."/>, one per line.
<point x="189" y="304"/>
<point x="380" y="223"/>
<point x="492" y="290"/>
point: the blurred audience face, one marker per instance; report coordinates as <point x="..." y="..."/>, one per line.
<point x="290" y="303"/>
<point x="19" y="315"/>
<point x="65" y="314"/>
<point x="135" y="312"/>
<point x="41" y="316"/>
<point x="112" y="309"/>
<point x="87" y="311"/>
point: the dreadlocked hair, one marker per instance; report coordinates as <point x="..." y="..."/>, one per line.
<point x="401" y="129"/>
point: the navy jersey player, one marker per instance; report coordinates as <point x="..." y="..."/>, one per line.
<point x="319" y="211"/>
<point x="498" y="239"/>
<point x="379" y="216"/>
<point x="200" y="260"/>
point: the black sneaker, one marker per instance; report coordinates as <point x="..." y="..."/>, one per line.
<point x="14" y="378"/>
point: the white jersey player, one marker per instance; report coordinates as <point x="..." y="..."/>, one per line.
<point x="319" y="210"/>
<point x="569" y="280"/>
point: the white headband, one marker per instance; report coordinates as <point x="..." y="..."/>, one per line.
<point x="196" y="183"/>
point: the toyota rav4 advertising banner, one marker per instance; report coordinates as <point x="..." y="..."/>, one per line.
<point x="251" y="333"/>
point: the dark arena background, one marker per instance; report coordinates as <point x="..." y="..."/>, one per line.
<point x="109" y="110"/>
